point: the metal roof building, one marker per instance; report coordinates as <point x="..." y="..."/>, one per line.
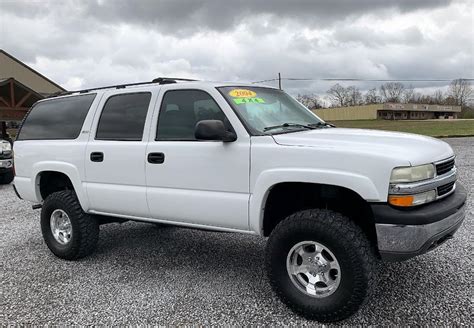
<point x="389" y="111"/>
<point x="20" y="87"/>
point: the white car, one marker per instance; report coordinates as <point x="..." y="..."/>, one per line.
<point x="240" y="158"/>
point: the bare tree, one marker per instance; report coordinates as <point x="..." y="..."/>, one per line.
<point x="338" y="95"/>
<point x="409" y="94"/>
<point x="438" y="97"/>
<point x="417" y="98"/>
<point x="449" y="100"/>
<point x="427" y="99"/>
<point x="310" y="101"/>
<point x="392" y="91"/>
<point x="461" y="91"/>
<point x="371" y="97"/>
<point x="354" y="96"/>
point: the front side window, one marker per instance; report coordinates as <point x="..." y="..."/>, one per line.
<point x="267" y="110"/>
<point x="180" y="111"/>
<point x="123" y="117"/>
<point x="60" y="118"/>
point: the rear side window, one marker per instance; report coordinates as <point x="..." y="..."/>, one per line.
<point x="123" y="117"/>
<point x="60" y="118"/>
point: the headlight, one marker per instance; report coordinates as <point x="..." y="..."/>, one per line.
<point x="412" y="173"/>
<point x="5" y="146"/>
<point x="412" y="200"/>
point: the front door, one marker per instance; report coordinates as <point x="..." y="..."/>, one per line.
<point x="197" y="182"/>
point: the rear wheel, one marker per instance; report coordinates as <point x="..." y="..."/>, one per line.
<point x="68" y="232"/>
<point x="320" y="264"/>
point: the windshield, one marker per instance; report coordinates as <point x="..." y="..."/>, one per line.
<point x="266" y="110"/>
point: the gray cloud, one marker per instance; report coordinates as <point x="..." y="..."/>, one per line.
<point x="93" y="43"/>
<point x="190" y="16"/>
<point x="372" y="37"/>
<point x="193" y="16"/>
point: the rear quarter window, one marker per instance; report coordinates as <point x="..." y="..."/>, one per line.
<point x="60" y="118"/>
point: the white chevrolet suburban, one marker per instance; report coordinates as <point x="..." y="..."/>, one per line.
<point x="239" y="158"/>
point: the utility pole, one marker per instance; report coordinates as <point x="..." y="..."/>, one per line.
<point x="279" y="81"/>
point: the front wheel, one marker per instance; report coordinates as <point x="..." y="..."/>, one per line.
<point x="320" y="264"/>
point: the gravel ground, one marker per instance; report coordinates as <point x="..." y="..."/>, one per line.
<point x="144" y="274"/>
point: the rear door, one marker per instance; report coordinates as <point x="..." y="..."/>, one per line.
<point x="192" y="181"/>
<point x="115" y="156"/>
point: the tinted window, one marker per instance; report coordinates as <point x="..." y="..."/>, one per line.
<point x="60" y="118"/>
<point x="123" y="117"/>
<point x="182" y="109"/>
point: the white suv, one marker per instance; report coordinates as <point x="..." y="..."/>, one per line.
<point x="239" y="158"/>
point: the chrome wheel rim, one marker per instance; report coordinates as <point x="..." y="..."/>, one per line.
<point x="313" y="269"/>
<point x="61" y="227"/>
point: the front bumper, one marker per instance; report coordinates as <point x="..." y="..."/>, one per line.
<point x="403" y="234"/>
<point x="6" y="165"/>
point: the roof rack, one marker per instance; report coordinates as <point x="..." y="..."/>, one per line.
<point x="159" y="80"/>
<point x="169" y="80"/>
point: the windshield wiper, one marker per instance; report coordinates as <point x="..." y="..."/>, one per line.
<point x="286" y="125"/>
<point x="321" y="124"/>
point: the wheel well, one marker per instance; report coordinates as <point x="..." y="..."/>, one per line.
<point x="51" y="181"/>
<point x="287" y="198"/>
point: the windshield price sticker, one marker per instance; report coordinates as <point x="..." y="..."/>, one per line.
<point x="242" y="93"/>
<point x="254" y="100"/>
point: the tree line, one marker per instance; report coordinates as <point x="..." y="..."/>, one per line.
<point x="459" y="93"/>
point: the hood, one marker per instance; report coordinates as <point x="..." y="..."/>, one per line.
<point x="414" y="148"/>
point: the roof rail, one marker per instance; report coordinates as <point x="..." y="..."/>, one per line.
<point x="168" y="80"/>
<point x="159" y="80"/>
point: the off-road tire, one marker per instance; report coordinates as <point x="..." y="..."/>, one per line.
<point x="355" y="254"/>
<point x="85" y="228"/>
<point x="6" y="178"/>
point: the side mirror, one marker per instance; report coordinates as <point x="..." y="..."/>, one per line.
<point x="213" y="130"/>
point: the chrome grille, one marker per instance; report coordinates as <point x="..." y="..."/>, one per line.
<point x="444" y="167"/>
<point x="444" y="189"/>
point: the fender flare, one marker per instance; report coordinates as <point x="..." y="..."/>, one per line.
<point x="360" y="184"/>
<point x="68" y="170"/>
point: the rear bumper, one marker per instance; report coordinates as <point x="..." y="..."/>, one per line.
<point x="403" y="234"/>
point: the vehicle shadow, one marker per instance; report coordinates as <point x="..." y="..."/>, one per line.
<point x="166" y="249"/>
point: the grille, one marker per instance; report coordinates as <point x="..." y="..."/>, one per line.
<point x="444" y="167"/>
<point x="6" y="155"/>
<point x="444" y="189"/>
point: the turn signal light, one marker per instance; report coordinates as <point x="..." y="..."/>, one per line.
<point x="412" y="200"/>
<point x="404" y="201"/>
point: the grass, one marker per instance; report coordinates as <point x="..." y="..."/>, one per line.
<point x="441" y="128"/>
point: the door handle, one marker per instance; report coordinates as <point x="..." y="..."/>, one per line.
<point x="97" y="157"/>
<point x="156" y="158"/>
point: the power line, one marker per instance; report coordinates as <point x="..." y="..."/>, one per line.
<point x="361" y="80"/>
<point x="265" y="81"/>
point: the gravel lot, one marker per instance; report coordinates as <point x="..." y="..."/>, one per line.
<point x="144" y="274"/>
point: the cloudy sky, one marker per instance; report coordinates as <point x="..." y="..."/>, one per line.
<point x="81" y="44"/>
